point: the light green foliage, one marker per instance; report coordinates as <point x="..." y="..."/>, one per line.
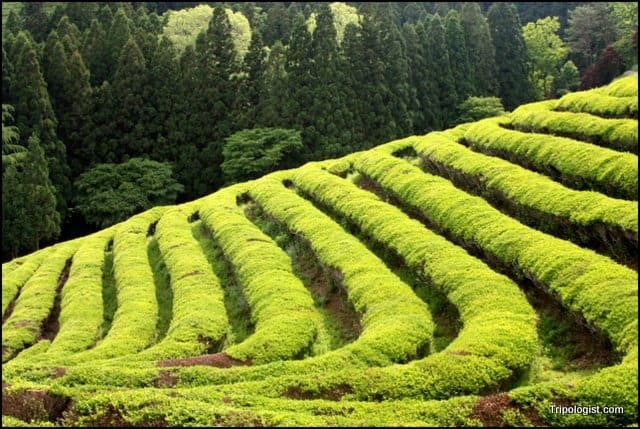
<point x="574" y="163"/>
<point x="282" y="310"/>
<point x="199" y="317"/>
<point x="574" y="273"/>
<point x="183" y="26"/>
<point x="547" y="54"/>
<point x="618" y="134"/>
<point x="249" y="154"/>
<point x="23" y="269"/>
<point x="599" y="104"/>
<point x="110" y="193"/>
<point x="528" y="189"/>
<point x="623" y="87"/>
<point x="134" y="322"/>
<point x="81" y="305"/>
<point x="343" y="15"/>
<point x="375" y="292"/>
<point x="476" y="108"/>
<point x="35" y="301"/>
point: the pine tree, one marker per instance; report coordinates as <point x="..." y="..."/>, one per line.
<point x="95" y="54"/>
<point x="66" y="28"/>
<point x="444" y="90"/>
<point x="55" y="70"/>
<point x="129" y="91"/>
<point x="298" y="68"/>
<point x="270" y="111"/>
<point x="328" y="113"/>
<point x="251" y="83"/>
<point x="163" y="74"/>
<point x="212" y="103"/>
<point x="34" y="115"/>
<point x="481" y="50"/>
<point x="7" y="72"/>
<point x="117" y="37"/>
<point x="277" y="25"/>
<point x="28" y="203"/>
<point x="35" y="20"/>
<point x="461" y="69"/>
<point x="13" y="25"/>
<point x="81" y="13"/>
<point x="76" y="121"/>
<point x="41" y="217"/>
<point x="511" y="55"/>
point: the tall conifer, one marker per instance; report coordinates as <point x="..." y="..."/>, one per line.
<point x="511" y="55"/>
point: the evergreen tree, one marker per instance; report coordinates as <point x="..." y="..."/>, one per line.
<point x="251" y="83"/>
<point x="7" y="72"/>
<point x="163" y="71"/>
<point x="481" y="51"/>
<point x="28" y="203"/>
<point x="277" y="25"/>
<point x="461" y="69"/>
<point x="417" y="67"/>
<point x="95" y="53"/>
<point x="55" y="70"/>
<point x="514" y="87"/>
<point x="211" y="104"/>
<point x="129" y="91"/>
<point x="328" y="113"/>
<point x="271" y="109"/>
<point x="34" y="115"/>
<point x="118" y="35"/>
<point x="105" y="16"/>
<point x="443" y="85"/>
<point x="66" y="28"/>
<point x="35" y="20"/>
<point x="76" y="121"/>
<point x="81" y="13"/>
<point x="13" y="24"/>
<point x="298" y="68"/>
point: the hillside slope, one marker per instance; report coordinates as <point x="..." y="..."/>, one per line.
<point x="483" y="275"/>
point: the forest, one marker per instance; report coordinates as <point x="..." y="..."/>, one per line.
<point x="111" y="108"/>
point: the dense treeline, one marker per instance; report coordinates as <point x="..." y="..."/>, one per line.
<point x="93" y="91"/>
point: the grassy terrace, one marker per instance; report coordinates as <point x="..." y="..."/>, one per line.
<point x="475" y="276"/>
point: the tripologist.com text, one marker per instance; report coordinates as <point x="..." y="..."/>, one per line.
<point x="585" y="411"/>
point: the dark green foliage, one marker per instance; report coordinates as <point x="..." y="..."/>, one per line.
<point x="76" y="120"/>
<point x="94" y="52"/>
<point x="441" y="79"/>
<point x="131" y="95"/>
<point x="514" y="87"/>
<point x="67" y="29"/>
<point x="249" y="154"/>
<point x="482" y="54"/>
<point x="34" y="115"/>
<point x="28" y="203"/>
<point x="55" y="70"/>
<point x="13" y="25"/>
<point x="590" y="30"/>
<point x="81" y="13"/>
<point x="35" y="20"/>
<point x="461" y="69"/>
<point x="271" y="109"/>
<point x="209" y="107"/>
<point x="117" y="36"/>
<point x="251" y="85"/>
<point x="110" y="193"/>
<point x="277" y="26"/>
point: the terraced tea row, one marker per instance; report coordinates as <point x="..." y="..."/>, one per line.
<point x="140" y="324"/>
<point x="575" y="164"/>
